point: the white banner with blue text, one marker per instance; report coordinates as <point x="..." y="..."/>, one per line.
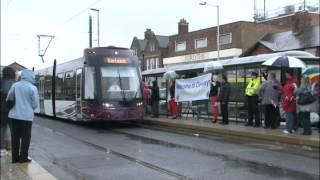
<point x="192" y="89"/>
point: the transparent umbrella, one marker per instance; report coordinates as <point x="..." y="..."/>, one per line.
<point x="170" y="74"/>
<point x="212" y="66"/>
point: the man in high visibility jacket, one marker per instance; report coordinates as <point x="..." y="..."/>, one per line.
<point x="252" y="100"/>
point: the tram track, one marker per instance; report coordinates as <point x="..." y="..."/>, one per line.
<point x="306" y="151"/>
<point x="124" y="156"/>
<point x="150" y="140"/>
<point x="258" y="165"/>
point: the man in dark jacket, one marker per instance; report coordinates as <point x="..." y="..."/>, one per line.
<point x="155" y="97"/>
<point x="8" y="78"/>
<point x="224" y="99"/>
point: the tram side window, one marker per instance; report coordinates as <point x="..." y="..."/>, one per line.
<point x="78" y="82"/>
<point x="48" y="87"/>
<point x="69" y="86"/>
<point x="37" y="78"/>
<point x="59" y="86"/>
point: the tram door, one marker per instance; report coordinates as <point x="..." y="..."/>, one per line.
<point x="78" y="93"/>
<point x="41" y="94"/>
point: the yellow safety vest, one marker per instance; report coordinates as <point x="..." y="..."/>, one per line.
<point x="253" y="87"/>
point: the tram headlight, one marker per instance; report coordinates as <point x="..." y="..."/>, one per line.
<point x="139" y="104"/>
<point x="107" y="105"/>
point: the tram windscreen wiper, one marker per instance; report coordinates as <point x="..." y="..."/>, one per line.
<point x="121" y="87"/>
<point x="134" y="97"/>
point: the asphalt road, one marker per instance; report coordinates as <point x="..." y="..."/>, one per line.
<point x="129" y="151"/>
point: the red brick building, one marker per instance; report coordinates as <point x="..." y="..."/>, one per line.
<point x="302" y="34"/>
<point x="240" y="38"/>
<point x="201" y="45"/>
<point x="296" y="21"/>
<point x="307" y="39"/>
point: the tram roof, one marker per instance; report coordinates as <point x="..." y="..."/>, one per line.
<point x="230" y="62"/>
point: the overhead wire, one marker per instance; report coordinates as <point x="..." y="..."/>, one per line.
<point x="80" y="12"/>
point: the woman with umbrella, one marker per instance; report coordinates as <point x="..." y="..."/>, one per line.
<point x="313" y="73"/>
<point x="288" y="100"/>
<point x="287" y="89"/>
<point x="305" y="105"/>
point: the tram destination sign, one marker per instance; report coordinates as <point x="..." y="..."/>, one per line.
<point x="115" y="60"/>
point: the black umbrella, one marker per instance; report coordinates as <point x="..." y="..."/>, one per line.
<point x="285" y="62"/>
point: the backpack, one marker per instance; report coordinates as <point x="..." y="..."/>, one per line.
<point x="11" y="100"/>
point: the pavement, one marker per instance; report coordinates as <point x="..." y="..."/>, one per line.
<point x="22" y="171"/>
<point x="238" y="130"/>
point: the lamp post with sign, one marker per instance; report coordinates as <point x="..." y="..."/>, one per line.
<point x="218" y="27"/>
<point x="98" y="28"/>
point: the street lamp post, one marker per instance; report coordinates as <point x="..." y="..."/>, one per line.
<point x="218" y="27"/>
<point x="98" y="28"/>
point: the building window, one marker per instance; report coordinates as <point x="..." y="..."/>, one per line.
<point x="152" y="47"/>
<point x="153" y="63"/>
<point x="225" y="38"/>
<point x="135" y="51"/>
<point x="201" y="43"/>
<point x="157" y="62"/>
<point x="180" y="46"/>
<point x="148" y="64"/>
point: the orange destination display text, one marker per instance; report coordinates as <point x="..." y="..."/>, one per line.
<point x="116" y="61"/>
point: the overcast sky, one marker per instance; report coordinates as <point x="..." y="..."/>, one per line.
<point x="120" y="21"/>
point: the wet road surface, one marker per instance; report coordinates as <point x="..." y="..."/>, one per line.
<point x="127" y="151"/>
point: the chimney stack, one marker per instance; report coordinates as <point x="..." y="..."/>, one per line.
<point x="301" y="21"/>
<point x="148" y="33"/>
<point x="183" y="26"/>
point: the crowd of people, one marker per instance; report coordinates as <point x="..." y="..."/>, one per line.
<point x="297" y="99"/>
<point x="18" y="99"/>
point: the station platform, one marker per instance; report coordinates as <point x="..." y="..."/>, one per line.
<point x="22" y="171"/>
<point x="238" y="130"/>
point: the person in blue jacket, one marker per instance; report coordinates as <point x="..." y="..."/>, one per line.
<point x="22" y="114"/>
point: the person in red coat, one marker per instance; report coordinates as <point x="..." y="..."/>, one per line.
<point x="288" y="101"/>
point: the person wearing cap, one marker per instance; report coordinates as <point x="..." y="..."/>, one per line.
<point x="252" y="99"/>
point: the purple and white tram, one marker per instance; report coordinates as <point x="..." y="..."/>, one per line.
<point x="103" y="85"/>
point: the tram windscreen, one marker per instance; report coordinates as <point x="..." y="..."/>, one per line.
<point x="120" y="83"/>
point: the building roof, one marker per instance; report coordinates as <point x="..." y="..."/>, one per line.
<point x="289" y="40"/>
<point x="142" y="44"/>
<point x="163" y="41"/>
<point x="16" y="66"/>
